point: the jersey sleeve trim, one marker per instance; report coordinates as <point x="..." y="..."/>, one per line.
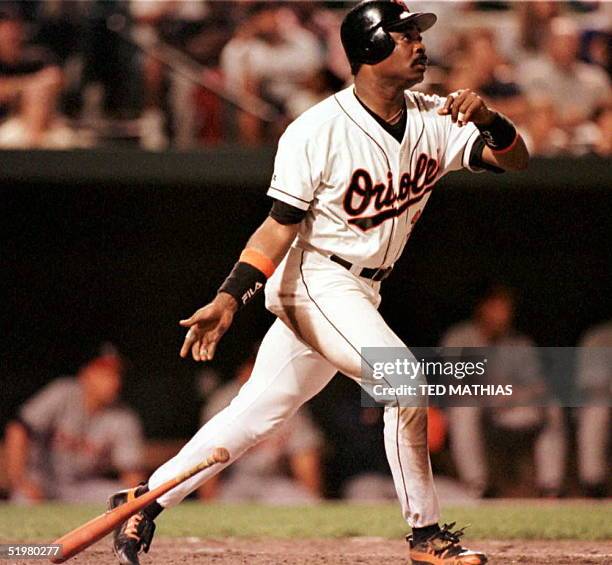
<point x="467" y="152"/>
<point x="288" y="198"/>
<point x="286" y="214"/>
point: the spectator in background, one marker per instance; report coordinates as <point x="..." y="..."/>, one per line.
<point x="207" y="121"/>
<point x="178" y="25"/>
<point x="99" y="65"/>
<point x="576" y="89"/>
<point x="269" y="56"/>
<point x="515" y="362"/>
<point x="593" y="433"/>
<point x="70" y="437"/>
<point x="109" y="78"/>
<point x="325" y="24"/>
<point x="534" y="21"/>
<point x="283" y="469"/>
<point x="60" y="27"/>
<point x="541" y="130"/>
<point x="30" y="87"/>
<point x="481" y="67"/>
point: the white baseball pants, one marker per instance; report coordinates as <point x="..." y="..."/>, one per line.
<point x="326" y="316"/>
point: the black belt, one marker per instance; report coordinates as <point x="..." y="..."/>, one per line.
<point x="373" y="274"/>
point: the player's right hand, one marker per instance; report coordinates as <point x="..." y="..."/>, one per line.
<point x="207" y="326"/>
<point x="465" y="106"/>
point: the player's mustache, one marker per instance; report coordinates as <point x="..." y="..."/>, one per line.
<point x="421" y="60"/>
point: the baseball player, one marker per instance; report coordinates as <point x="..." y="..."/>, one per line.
<point x="351" y="177"/>
<point x="69" y="438"/>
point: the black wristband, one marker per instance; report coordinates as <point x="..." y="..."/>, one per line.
<point x="499" y="134"/>
<point x="243" y="283"/>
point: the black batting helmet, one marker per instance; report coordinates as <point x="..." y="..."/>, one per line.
<point x="365" y="28"/>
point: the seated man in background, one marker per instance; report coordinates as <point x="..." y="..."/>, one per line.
<point x="284" y="469"/>
<point x="68" y="441"/>
<point x="492" y="326"/>
<point x="30" y="86"/>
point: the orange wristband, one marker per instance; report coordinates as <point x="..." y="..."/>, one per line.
<point x="259" y="261"/>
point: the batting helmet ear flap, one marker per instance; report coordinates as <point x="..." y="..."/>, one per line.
<point x="378" y="47"/>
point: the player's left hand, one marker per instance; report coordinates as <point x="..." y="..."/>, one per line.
<point x="207" y="326"/>
<point x="466" y="106"/>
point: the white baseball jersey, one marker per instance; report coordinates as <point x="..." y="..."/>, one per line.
<point x="363" y="190"/>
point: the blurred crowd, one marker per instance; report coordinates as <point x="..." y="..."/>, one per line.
<point x="75" y="440"/>
<point x="159" y="73"/>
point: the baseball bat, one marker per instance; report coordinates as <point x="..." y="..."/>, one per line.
<point x="89" y="533"/>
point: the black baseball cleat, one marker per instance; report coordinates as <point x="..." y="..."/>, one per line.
<point x="135" y="534"/>
<point x="443" y="548"/>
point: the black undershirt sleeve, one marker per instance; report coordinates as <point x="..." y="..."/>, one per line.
<point x="476" y="160"/>
<point x="286" y="214"/>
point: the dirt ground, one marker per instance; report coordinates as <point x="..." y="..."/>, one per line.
<point x="352" y="551"/>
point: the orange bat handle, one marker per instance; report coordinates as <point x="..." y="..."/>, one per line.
<point x="89" y="533"/>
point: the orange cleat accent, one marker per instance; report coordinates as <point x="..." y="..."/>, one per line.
<point x="443" y="548"/>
